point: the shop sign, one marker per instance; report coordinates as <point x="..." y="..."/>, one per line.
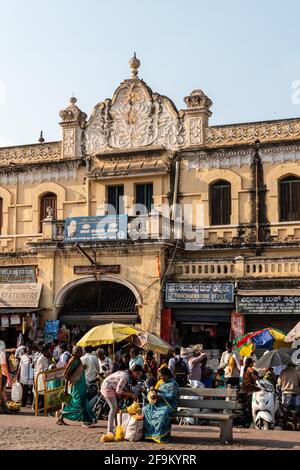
<point x="267" y="305"/>
<point x="237" y="325"/>
<point x="15" y="320"/>
<point x="108" y="227"/>
<point x="199" y="292"/>
<point x="20" y="295"/>
<point x="101" y="269"/>
<point x="4" y="322"/>
<point x="17" y="274"/>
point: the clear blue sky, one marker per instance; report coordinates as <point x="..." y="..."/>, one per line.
<point x="243" y="55"/>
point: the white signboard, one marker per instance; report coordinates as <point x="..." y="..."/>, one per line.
<point x="20" y="295"/>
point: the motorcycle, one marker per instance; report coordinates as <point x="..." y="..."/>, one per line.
<point x="97" y="402"/>
<point x="265" y="405"/>
<point x="287" y="418"/>
<point x="243" y="413"/>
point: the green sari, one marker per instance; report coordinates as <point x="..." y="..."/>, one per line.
<point x="78" y="409"/>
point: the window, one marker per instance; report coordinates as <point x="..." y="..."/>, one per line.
<point x="47" y="200"/>
<point x="115" y="196"/>
<point x="144" y="195"/>
<point x="220" y="203"/>
<point x="1" y="214"/>
<point x="289" y="198"/>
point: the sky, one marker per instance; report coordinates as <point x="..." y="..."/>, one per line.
<point x="244" y="55"/>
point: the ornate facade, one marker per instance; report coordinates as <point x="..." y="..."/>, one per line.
<point x="140" y="138"/>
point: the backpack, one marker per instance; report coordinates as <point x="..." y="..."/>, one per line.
<point x="180" y="372"/>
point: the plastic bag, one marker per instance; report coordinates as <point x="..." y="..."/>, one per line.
<point x="135" y="429"/>
<point x="16" y="391"/>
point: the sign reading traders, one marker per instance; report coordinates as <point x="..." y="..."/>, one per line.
<point x="268" y="304"/>
<point x="20" y="295"/>
<point x="199" y="292"/>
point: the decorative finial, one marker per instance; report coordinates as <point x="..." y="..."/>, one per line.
<point x="41" y="139"/>
<point x="73" y="100"/>
<point x="134" y="65"/>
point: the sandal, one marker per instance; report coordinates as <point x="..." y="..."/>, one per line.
<point x="61" y="422"/>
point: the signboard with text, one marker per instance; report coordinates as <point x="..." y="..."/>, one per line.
<point x="108" y="227"/>
<point x="20" y="295"/>
<point x="17" y="274"/>
<point x="101" y="269"/>
<point x="199" y="292"/>
<point x="268" y="304"/>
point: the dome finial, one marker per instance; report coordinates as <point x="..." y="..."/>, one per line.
<point x="41" y="139"/>
<point x="134" y="65"/>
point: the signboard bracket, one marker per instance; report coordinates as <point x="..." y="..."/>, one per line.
<point x="84" y="253"/>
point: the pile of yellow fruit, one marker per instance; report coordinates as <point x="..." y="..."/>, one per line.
<point x="13" y="405"/>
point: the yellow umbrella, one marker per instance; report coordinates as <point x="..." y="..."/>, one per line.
<point x="106" y="334"/>
<point x="149" y="341"/>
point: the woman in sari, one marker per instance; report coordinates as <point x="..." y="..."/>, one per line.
<point x="158" y="416"/>
<point x="78" y="408"/>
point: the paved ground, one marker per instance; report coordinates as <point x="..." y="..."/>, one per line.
<point x="25" y="431"/>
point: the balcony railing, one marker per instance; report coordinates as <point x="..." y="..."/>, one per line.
<point x="238" y="268"/>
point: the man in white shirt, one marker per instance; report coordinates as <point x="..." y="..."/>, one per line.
<point x="136" y="359"/>
<point x="230" y="362"/>
<point x="26" y="374"/>
<point x="91" y="365"/>
<point x="105" y="363"/>
<point x="64" y="357"/>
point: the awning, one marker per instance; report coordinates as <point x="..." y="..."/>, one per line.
<point x="18" y="311"/>
<point x="269" y="292"/>
<point x="98" y="319"/>
<point x="213" y="316"/>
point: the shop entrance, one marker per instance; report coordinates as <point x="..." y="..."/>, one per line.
<point x="98" y="302"/>
<point x="212" y="336"/>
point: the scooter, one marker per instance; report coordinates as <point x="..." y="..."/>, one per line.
<point x="265" y="405"/>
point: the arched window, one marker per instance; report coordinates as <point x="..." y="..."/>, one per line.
<point x="289" y="198"/>
<point x="47" y="200"/>
<point x="220" y="203"/>
<point x="1" y="214"/>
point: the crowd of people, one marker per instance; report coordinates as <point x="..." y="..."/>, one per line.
<point x="118" y="375"/>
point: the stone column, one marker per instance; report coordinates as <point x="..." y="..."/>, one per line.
<point x="196" y="117"/>
<point x="73" y="122"/>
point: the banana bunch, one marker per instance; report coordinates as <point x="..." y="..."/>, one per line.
<point x="13" y="405"/>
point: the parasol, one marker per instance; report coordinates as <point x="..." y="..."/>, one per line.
<point x="274" y="358"/>
<point x="107" y="334"/>
<point x="267" y="338"/>
<point x="150" y="341"/>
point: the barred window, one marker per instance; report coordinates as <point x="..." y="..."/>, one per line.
<point x="289" y="198"/>
<point x="220" y="203"/>
<point x="47" y="200"/>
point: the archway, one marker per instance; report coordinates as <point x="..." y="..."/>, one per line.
<point x="92" y="302"/>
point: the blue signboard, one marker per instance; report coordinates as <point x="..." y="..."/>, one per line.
<point x="107" y="227"/>
<point x="199" y="292"/>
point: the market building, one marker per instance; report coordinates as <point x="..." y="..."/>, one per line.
<point x="137" y="148"/>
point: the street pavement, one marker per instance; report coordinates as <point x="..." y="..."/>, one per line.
<point x="25" y="431"/>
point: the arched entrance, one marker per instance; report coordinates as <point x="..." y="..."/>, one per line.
<point x="95" y="302"/>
